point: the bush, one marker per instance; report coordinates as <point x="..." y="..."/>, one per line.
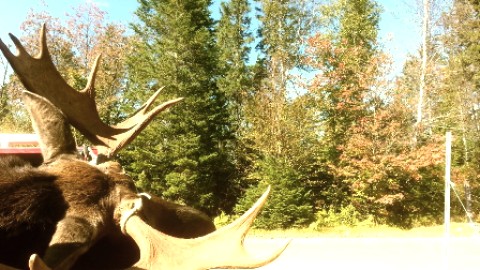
<point x="289" y="204"/>
<point x="223" y="220"/>
<point x="348" y="216"/>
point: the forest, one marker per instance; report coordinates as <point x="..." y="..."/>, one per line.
<point x="293" y="94"/>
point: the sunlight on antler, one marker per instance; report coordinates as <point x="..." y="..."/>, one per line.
<point x="223" y="248"/>
<point x="39" y="75"/>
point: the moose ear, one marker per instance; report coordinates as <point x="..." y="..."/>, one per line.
<point x="51" y="126"/>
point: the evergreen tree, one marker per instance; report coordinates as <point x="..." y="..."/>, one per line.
<point x="234" y="40"/>
<point x="278" y="124"/>
<point x="289" y="204"/>
<point x="353" y="46"/>
<point x="184" y="155"/>
<point x="280" y="34"/>
<point x="343" y="54"/>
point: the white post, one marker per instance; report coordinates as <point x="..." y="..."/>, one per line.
<point x="448" y="161"/>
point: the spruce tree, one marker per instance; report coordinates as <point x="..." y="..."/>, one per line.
<point x="272" y="115"/>
<point x="353" y="46"/>
<point x="233" y="40"/>
<point x="234" y="37"/>
<point x="345" y="50"/>
<point x="182" y="156"/>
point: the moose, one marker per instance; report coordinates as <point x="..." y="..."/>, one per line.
<point x="70" y="214"/>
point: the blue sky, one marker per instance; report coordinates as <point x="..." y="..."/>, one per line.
<point x="400" y="31"/>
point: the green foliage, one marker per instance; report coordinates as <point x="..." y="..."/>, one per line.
<point x="282" y="23"/>
<point x="348" y="61"/>
<point x="187" y="154"/>
<point x="223" y="220"/>
<point x="458" y="90"/>
<point x="233" y="41"/>
<point x="342" y="145"/>
<point x="347" y="216"/>
<point x="345" y="57"/>
<point x="289" y="204"/>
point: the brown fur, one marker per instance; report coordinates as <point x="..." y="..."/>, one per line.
<point x="79" y="201"/>
<point x="30" y="207"/>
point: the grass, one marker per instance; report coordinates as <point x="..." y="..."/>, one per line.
<point x="456" y="230"/>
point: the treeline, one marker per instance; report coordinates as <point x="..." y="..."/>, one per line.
<point x="292" y="94"/>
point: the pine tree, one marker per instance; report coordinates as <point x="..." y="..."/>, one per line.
<point x="233" y="41"/>
<point x="183" y="156"/>
<point x="234" y="37"/>
<point x="278" y="123"/>
<point x="343" y="53"/>
<point x="289" y="204"/>
<point x="355" y="44"/>
<point x="280" y="35"/>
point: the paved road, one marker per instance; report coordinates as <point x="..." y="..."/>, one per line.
<point x="373" y="253"/>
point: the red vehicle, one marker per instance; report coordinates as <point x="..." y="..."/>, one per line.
<point x="26" y="147"/>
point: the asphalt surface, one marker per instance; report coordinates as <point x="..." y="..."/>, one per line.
<point x="372" y="253"/>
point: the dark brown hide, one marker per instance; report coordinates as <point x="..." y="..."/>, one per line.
<point x="119" y="251"/>
<point x="34" y="200"/>
<point x="31" y="204"/>
<point x="167" y="216"/>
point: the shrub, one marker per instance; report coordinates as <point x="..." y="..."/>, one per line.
<point x="289" y="204"/>
<point x="348" y="216"/>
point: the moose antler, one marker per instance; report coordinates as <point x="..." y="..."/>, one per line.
<point x="39" y="75"/>
<point x="221" y="249"/>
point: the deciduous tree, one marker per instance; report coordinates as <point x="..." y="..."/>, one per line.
<point x="74" y="43"/>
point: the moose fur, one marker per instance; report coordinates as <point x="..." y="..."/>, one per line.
<point x="35" y="200"/>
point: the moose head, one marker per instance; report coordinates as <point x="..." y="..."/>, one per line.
<point x="69" y="214"/>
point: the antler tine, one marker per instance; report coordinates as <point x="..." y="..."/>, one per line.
<point x="220" y="249"/>
<point x="21" y="51"/>
<point x="152" y="99"/>
<point x="6" y="51"/>
<point x="133" y="120"/>
<point x="39" y="75"/>
<point x="134" y="125"/>
<point x="43" y="52"/>
<point x="90" y="88"/>
<point x="244" y="223"/>
<point x="36" y="263"/>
